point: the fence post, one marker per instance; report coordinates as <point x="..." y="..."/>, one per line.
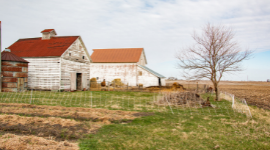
<point x="91" y="100"/>
<point x="232" y="100"/>
<point x="31" y="96"/>
<point x="197" y="88"/>
<point x="169" y="103"/>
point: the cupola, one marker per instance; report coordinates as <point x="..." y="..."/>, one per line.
<point x="48" y="33"/>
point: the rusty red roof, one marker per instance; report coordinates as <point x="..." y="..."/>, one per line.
<point x="47" y="30"/>
<point x="36" y="47"/>
<point x="9" y="56"/>
<point x="117" y="55"/>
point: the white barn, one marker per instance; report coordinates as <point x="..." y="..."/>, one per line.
<point x="128" y="64"/>
<point x="56" y="62"/>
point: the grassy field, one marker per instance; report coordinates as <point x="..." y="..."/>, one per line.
<point x="164" y="128"/>
<point x="89" y="99"/>
<point x="204" y="128"/>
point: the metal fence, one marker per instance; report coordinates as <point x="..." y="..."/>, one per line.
<point x="238" y="104"/>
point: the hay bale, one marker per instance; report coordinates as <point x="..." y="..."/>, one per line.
<point x="176" y="86"/>
<point x="140" y="85"/>
<point x="117" y="83"/>
<point x="93" y="83"/>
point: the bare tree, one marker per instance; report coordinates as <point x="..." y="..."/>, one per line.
<point x="213" y="54"/>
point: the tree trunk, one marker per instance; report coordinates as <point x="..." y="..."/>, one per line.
<point x="217" y="92"/>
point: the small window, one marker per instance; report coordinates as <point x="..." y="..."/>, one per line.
<point x="140" y="73"/>
<point x="69" y="54"/>
<point x="82" y="57"/>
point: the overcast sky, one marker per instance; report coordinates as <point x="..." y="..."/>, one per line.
<point x="161" y="27"/>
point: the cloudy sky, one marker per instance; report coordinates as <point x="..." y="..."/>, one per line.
<point x="161" y="27"/>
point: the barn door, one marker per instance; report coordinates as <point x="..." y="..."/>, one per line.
<point x="20" y="84"/>
<point x="84" y="81"/>
<point x="79" y="81"/>
<point x="73" y="81"/>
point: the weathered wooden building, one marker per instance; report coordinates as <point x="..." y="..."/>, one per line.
<point x="56" y="62"/>
<point x="128" y="64"/>
<point x="15" y="72"/>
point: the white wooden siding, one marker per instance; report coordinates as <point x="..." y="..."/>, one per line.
<point x="127" y="72"/>
<point x="43" y="73"/>
<point x="109" y="71"/>
<point x="147" y="78"/>
<point x="142" y="60"/>
<point x="75" y="63"/>
<point x="54" y="73"/>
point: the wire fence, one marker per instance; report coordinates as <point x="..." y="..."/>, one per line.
<point x="238" y="104"/>
<point x="58" y="111"/>
<point x="159" y="101"/>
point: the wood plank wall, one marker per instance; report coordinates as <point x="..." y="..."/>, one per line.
<point x="72" y="60"/>
<point x="43" y="73"/>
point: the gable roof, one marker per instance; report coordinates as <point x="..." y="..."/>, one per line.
<point x="48" y="30"/>
<point x="9" y="56"/>
<point x="36" y="47"/>
<point x="117" y="55"/>
<point x="152" y="71"/>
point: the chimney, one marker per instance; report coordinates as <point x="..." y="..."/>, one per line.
<point x="48" y="33"/>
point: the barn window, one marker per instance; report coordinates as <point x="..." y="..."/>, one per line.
<point x="82" y="57"/>
<point x="69" y="54"/>
<point x="140" y="73"/>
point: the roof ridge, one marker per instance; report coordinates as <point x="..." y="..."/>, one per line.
<point x="52" y="37"/>
<point x="117" y="48"/>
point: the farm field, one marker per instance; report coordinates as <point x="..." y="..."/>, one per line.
<point x="255" y="93"/>
<point x="125" y="120"/>
<point x="25" y="126"/>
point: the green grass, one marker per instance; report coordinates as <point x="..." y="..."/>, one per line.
<point x="202" y="128"/>
<point x="181" y="128"/>
<point x="94" y="99"/>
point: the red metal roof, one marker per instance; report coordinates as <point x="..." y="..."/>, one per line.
<point x="118" y="55"/>
<point x="9" y="56"/>
<point x="36" y="47"/>
<point x="47" y="30"/>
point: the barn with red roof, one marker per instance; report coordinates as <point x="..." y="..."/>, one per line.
<point x="127" y="64"/>
<point x="55" y="62"/>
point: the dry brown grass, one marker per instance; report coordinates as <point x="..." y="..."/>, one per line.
<point x="68" y="112"/>
<point x="58" y="128"/>
<point x="16" y="142"/>
<point x="44" y="127"/>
